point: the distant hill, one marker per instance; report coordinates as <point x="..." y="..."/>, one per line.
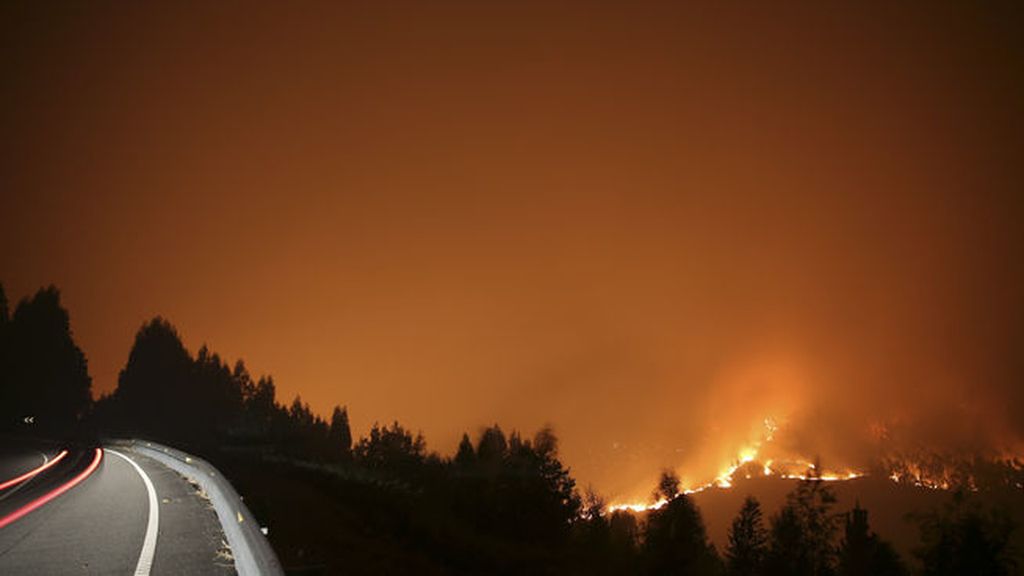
<point x="889" y="504"/>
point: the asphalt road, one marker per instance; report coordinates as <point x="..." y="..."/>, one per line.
<point x="100" y="526"/>
<point x="15" y="460"/>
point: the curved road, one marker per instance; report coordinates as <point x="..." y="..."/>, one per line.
<point x="19" y="458"/>
<point x="16" y="460"/>
<point x="102" y="525"/>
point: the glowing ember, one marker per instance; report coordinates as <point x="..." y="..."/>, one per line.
<point x="638" y="507"/>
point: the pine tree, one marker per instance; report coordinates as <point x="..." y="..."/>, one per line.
<point x="676" y="541"/>
<point x="855" y="550"/>
<point x="863" y="553"/>
<point x="151" y="387"/>
<point x="803" y="532"/>
<point x="340" y="434"/>
<point x="966" y="537"/>
<point x="49" y="377"/>
<point x="492" y="446"/>
<point x="748" y="541"/>
<point x="262" y="405"/>
<point x="465" y="456"/>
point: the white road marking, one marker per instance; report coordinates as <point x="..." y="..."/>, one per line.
<point x="149" y="544"/>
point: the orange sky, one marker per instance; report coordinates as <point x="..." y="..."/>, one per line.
<point x="650" y="226"/>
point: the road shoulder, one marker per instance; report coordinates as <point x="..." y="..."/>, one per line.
<point x="191" y="540"/>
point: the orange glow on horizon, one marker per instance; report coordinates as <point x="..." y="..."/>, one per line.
<point x="723" y="239"/>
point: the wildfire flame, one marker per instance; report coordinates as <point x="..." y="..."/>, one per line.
<point x="921" y="470"/>
<point x="746" y="465"/>
<point x="727" y="478"/>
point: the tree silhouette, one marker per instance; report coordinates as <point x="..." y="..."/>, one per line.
<point x="675" y="540"/>
<point x="216" y="395"/>
<point x="341" y="434"/>
<point x="593" y="507"/>
<point x="964" y="538"/>
<point x="748" y="541"/>
<point x="555" y="503"/>
<point x="261" y="407"/>
<point x="803" y="532"/>
<point x="863" y="553"/>
<point x="529" y="495"/>
<point x="515" y="489"/>
<point x="592" y="537"/>
<point x="3" y="305"/>
<point x="300" y="413"/>
<point x="307" y="436"/>
<point x="856" y="549"/>
<point x="47" y="375"/>
<point x="153" y="393"/>
<point x="786" y="552"/>
<point x="492" y="446"/>
<point x="392" y="449"/>
<point x="668" y="485"/>
<point x="201" y="403"/>
<point x="624" y="537"/>
<point x="465" y="456"/>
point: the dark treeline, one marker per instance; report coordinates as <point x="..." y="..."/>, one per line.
<point x="502" y="504"/>
<point x="201" y="403"/>
<point x="44" y="379"/>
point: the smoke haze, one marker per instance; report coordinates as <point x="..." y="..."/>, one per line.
<point x="653" y="228"/>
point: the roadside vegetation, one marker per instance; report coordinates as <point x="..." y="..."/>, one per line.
<point x="504" y="503"/>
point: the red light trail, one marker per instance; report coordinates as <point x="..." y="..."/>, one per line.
<point x="42" y="500"/>
<point x="33" y="472"/>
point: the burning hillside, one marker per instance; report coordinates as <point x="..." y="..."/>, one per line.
<point x="765" y="458"/>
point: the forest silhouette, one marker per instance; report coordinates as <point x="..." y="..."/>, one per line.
<point x="504" y="503"/>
